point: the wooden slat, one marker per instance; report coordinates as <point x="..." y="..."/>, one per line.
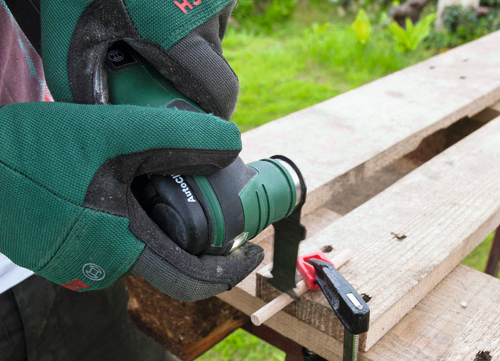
<point x="481" y="337"/>
<point x="287" y="325"/>
<point x="441" y="328"/>
<point x="344" y="139"/>
<point x="431" y="331"/>
<point x="409" y="237"/>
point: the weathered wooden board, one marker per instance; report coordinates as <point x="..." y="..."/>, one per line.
<point x="344" y="139"/>
<point x="409" y="237"/>
<point x="481" y="337"/>
<point x="431" y="331"/>
<point x="287" y="325"/>
<point x="441" y="328"/>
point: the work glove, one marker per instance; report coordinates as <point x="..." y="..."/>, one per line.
<point x="182" y="39"/>
<point x="66" y="207"/>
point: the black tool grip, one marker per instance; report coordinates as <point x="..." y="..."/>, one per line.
<point x="349" y="306"/>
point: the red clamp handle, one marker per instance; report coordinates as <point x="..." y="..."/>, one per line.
<point x="307" y="270"/>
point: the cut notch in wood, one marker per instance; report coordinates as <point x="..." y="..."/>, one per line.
<point x="280" y="302"/>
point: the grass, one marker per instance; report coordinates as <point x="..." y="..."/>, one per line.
<point x="243" y="346"/>
<point x="477" y="258"/>
<point x="302" y="64"/>
<point x="306" y="61"/>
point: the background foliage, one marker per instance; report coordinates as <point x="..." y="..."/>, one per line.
<point x="464" y="25"/>
<point x="264" y="14"/>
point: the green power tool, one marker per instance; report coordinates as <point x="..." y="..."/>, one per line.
<point x="203" y="214"/>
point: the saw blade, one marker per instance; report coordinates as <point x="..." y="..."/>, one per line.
<point x="287" y="235"/>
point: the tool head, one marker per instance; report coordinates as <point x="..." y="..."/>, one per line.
<point x="288" y="233"/>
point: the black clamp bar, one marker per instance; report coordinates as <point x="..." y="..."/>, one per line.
<point x="348" y="305"/>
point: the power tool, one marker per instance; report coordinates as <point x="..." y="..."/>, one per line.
<point x="211" y="214"/>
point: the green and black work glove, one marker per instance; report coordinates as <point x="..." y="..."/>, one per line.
<point x="182" y="39"/>
<point x="66" y="208"/>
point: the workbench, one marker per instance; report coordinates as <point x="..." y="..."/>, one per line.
<point x="402" y="171"/>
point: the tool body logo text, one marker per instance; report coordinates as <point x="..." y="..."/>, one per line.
<point x="180" y="181"/>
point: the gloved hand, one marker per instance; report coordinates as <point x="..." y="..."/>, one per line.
<point x="66" y="209"/>
<point x="182" y="39"/>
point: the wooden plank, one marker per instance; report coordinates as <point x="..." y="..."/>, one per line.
<point x="338" y="142"/>
<point x="441" y="328"/>
<point x="409" y="237"/>
<point x="287" y="325"/>
<point x="481" y="337"/>
<point x="429" y="332"/>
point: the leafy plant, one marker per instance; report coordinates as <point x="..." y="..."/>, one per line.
<point x="362" y="27"/>
<point x="408" y="39"/>
<point x="459" y="19"/>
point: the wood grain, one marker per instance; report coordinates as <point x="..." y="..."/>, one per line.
<point x="429" y="332"/>
<point x="440" y="328"/>
<point x="287" y="325"/>
<point x="338" y="142"/>
<point x="409" y="237"/>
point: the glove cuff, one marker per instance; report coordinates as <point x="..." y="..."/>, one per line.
<point x="99" y="249"/>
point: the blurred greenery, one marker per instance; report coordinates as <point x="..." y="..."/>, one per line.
<point x="463" y="24"/>
<point x="263" y="14"/>
<point x="477" y="258"/>
<point x="298" y="56"/>
<point x="302" y="63"/>
<point x="243" y="346"/>
<point x="362" y="27"/>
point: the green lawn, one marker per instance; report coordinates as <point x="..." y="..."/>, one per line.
<point x="300" y="64"/>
